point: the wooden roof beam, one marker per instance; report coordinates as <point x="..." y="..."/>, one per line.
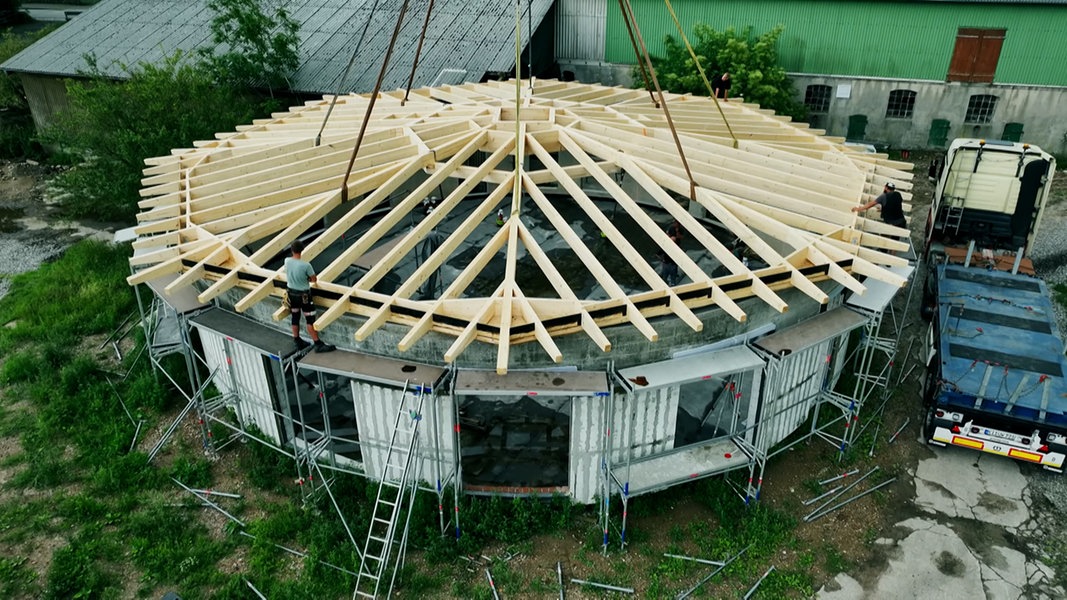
<point x="363" y="207"/>
<point x="454" y="289"/>
<point x="555" y="278"/>
<point x="437" y="258"/>
<point x="398" y="212"/>
<point x="859" y="265"/>
<point x="702" y="235"/>
<point x="658" y="235"/>
<point x="590" y="261"/>
<point x="540" y="332"/>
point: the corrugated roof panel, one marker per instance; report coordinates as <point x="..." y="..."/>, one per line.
<point x="474" y="35"/>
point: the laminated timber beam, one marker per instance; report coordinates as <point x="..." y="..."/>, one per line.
<point x="221" y="211"/>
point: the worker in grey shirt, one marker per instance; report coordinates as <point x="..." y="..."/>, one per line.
<point x="299" y="275"/>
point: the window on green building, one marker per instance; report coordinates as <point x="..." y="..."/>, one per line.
<point x="817" y="98"/>
<point x="901" y="104"/>
<point x="980" y="108"/>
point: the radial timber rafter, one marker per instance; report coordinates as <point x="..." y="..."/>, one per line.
<point x="590" y="227"/>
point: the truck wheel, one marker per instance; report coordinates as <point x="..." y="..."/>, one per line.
<point x="928" y="424"/>
<point x="926" y="311"/>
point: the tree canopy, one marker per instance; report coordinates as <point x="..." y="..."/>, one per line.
<point x="751" y="60"/>
<point x="111" y="126"/>
<point x="252" y="48"/>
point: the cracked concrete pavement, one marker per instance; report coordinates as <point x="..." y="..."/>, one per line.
<point x="974" y="534"/>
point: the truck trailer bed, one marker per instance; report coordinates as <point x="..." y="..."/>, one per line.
<point x="999" y="346"/>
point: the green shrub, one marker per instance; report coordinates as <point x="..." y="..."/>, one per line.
<point x="751" y="59"/>
<point x="171" y="547"/>
<point x="16" y="579"/>
<point x="193" y="472"/>
<point x="119" y="475"/>
<point x="266" y="468"/>
<point x="20" y="367"/>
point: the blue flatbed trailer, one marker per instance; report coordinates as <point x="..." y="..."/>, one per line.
<point x="996" y="367"/>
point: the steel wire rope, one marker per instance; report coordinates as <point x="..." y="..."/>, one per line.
<point x="700" y="69"/>
<point x="628" y="14"/>
<point x="516" y="192"/>
<point x="637" y="53"/>
<point x="373" y="99"/>
<point x="348" y="70"/>
<point x="418" y="52"/>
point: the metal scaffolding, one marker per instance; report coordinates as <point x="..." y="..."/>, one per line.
<point x="800" y="372"/>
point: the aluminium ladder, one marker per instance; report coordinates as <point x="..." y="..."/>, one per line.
<point x="396" y="490"/>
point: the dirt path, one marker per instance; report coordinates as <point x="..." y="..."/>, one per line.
<point x="31" y="228"/>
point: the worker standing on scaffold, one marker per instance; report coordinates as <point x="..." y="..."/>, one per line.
<point x="299" y="275"/>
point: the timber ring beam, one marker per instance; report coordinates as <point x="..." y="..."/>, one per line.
<point x="438" y="202"/>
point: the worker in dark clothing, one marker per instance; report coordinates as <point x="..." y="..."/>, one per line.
<point x="669" y="267"/>
<point x="891" y="203"/>
<point x="720" y="85"/>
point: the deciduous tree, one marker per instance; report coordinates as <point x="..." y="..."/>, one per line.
<point x="112" y="126"/>
<point x="752" y="61"/>
<point x="252" y="47"/>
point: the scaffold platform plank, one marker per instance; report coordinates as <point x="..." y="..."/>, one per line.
<point x="692" y="368"/>
<point x="182" y="300"/>
<point x="879" y="293"/>
<point x="532" y="383"/>
<point x="811" y="332"/>
<point x="690" y="463"/>
<point x="246" y="331"/>
<point x="377" y="369"/>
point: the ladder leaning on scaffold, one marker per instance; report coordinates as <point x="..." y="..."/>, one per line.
<point x="396" y="491"/>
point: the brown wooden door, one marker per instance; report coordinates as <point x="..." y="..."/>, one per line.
<point x="976" y="55"/>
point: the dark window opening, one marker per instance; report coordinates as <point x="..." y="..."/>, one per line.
<point x="976" y="55"/>
<point x="711" y="408"/>
<point x="509" y="441"/>
<point x="980" y="108"/>
<point x="318" y="405"/>
<point x="817" y="98"/>
<point x="901" y="104"/>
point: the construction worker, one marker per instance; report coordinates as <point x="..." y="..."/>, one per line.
<point x="891" y="203"/>
<point x="721" y="85"/>
<point x="299" y="275"/>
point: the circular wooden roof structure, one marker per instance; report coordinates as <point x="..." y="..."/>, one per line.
<point x="599" y="174"/>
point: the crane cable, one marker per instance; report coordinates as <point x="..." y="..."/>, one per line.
<point x="700" y="69"/>
<point x="348" y="69"/>
<point x="516" y="192"/>
<point x="373" y="99"/>
<point x="637" y="53"/>
<point x="628" y="14"/>
<point x="418" y="52"/>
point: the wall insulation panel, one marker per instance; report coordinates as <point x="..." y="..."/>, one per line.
<point x="799" y="366"/>
<point x="241" y="373"/>
<point x="376" y="409"/>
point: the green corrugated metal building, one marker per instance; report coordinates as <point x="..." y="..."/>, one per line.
<point x="981" y="68"/>
<point x="902" y="40"/>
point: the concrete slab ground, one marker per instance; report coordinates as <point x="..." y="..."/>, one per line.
<point x="974" y="536"/>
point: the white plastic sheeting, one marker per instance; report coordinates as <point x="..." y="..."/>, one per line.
<point x="801" y="363"/>
<point x="376" y="410"/>
<point x="646" y="419"/>
<point x="242" y="373"/>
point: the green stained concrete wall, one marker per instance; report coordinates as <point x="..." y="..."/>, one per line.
<point x="904" y="40"/>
